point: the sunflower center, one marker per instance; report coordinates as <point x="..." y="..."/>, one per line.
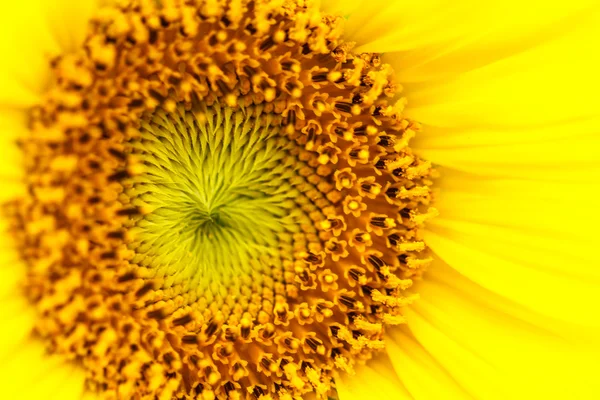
<point x="222" y="203"/>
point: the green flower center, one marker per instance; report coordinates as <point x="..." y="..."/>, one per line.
<point x="222" y="188"/>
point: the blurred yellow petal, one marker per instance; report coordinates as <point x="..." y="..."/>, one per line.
<point x="377" y="379"/>
<point x="553" y="294"/>
<point x="573" y="159"/>
<point x="494" y="353"/>
<point x="550" y="83"/>
<point x="37" y="31"/>
<point x="421" y="374"/>
<point x="503" y="90"/>
<point x="30" y="373"/>
<point x="343" y="8"/>
<point x="33" y="32"/>
<point x="438" y="139"/>
<point x="13" y="125"/>
<point x="546" y="209"/>
<point x="26" y="370"/>
<point x="428" y="35"/>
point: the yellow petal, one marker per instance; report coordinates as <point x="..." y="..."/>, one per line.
<point x="33" y="32"/>
<point x="12" y="271"/>
<point x="436" y="138"/>
<point x="68" y="20"/>
<point x="412" y="24"/>
<point x="526" y="240"/>
<point x="432" y="39"/>
<point x="565" y="159"/>
<point x="340" y="7"/>
<point x="541" y="289"/>
<point x="565" y="151"/>
<point x="375" y="380"/>
<point x="26" y="371"/>
<point x="13" y="125"/>
<point x="553" y="82"/>
<point x="421" y="374"/>
<point x="546" y="209"/>
<point x="17" y="323"/>
<point x="493" y="351"/>
<point x="32" y="374"/>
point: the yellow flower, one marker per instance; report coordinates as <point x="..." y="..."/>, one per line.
<point x="240" y="202"/>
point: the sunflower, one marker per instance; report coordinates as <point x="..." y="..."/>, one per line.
<point x="282" y="199"/>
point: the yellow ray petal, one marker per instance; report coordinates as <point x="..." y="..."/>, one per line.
<point x="545" y="209"/>
<point x="377" y="379"/>
<point x="17" y="322"/>
<point x="12" y="267"/>
<point x="420" y="373"/>
<point x="531" y="88"/>
<point x="87" y="395"/>
<point x="529" y="241"/>
<point x="447" y="279"/>
<point x="491" y="350"/>
<point x="552" y="254"/>
<point x="550" y="293"/>
<point x="33" y="32"/>
<point x="68" y="20"/>
<point x="32" y="374"/>
<point x="340" y="7"/>
<point x="564" y="159"/>
<point x="421" y="30"/>
<point x="521" y="154"/>
<point x="13" y="125"/>
<point x="439" y="138"/>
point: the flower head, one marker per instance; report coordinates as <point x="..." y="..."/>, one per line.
<point x="235" y="199"/>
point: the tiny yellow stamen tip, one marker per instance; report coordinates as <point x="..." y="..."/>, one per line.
<point x="363" y="154"/>
<point x="325" y="224"/>
<point x="334" y="76"/>
<point x="213" y="378"/>
<point x="279" y="36"/>
<point x="245" y="323"/>
<point x="376" y="190"/>
<point x="136" y="169"/>
<point x="323" y="159"/>
<point x="329" y="278"/>
<point x="221" y="36"/>
<point x="213" y="70"/>
<point x="170" y="105"/>
<point x="353" y="205"/>
<point x="231" y="100"/>
<point x="270" y="94"/>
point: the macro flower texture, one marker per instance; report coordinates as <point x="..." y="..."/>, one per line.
<point x="299" y="199"/>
